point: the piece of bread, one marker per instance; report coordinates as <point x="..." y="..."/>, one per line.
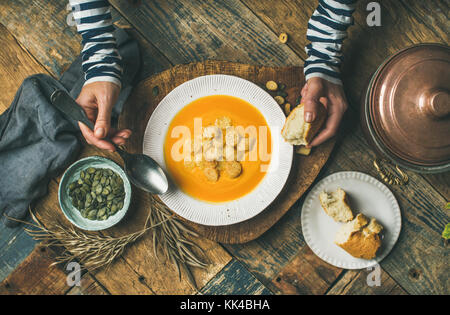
<point x="360" y="238"/>
<point x="336" y="205"/>
<point x="298" y="132"/>
<point x="302" y="150"/>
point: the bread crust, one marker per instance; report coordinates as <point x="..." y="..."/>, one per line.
<point x="362" y="246"/>
<point x="311" y="128"/>
<point x="363" y="240"/>
<point x="315" y="126"/>
<point x="345" y="203"/>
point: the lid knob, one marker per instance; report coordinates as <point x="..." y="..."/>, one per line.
<point x="436" y="103"/>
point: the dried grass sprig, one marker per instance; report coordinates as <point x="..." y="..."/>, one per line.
<point x="171" y="236"/>
<point x="94" y="251"/>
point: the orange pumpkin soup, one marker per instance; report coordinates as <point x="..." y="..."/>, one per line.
<point x="207" y="112"/>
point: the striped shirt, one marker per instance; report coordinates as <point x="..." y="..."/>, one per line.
<point x="101" y="59"/>
<point x="327" y="30"/>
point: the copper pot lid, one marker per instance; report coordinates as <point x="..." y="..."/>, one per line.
<point x="410" y="104"/>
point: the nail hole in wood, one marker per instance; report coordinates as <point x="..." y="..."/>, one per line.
<point x="414" y="273"/>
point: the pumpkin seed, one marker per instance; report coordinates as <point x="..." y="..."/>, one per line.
<point x="272" y="85"/>
<point x="72" y="186"/>
<point x="97" y="193"/>
<point x="92" y="215"/>
<point x="283" y="38"/>
<point x="101" y="212"/>
<point x="279" y="99"/>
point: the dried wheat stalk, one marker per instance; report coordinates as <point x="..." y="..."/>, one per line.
<point x="171" y="235"/>
<point x="93" y="251"/>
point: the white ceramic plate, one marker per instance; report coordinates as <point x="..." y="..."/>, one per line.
<point x="248" y="206"/>
<point x="366" y="195"/>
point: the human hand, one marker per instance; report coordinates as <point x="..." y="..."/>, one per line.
<point x="320" y="92"/>
<point x="97" y="99"/>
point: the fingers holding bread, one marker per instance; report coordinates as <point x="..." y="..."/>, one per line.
<point x="297" y="131"/>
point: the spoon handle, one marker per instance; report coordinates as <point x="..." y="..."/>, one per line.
<point x="66" y="104"/>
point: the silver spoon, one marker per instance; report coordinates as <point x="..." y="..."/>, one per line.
<point x="141" y="169"/>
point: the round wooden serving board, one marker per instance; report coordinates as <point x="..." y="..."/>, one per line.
<point x="147" y="95"/>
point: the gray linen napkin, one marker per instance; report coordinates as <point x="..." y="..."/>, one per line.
<point x="37" y="142"/>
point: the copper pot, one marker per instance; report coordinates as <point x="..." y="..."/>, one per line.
<point x="406" y="109"/>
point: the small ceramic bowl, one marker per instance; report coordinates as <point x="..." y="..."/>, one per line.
<point x="72" y="174"/>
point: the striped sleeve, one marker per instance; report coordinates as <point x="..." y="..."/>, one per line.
<point x="101" y="59"/>
<point x="327" y="30"/>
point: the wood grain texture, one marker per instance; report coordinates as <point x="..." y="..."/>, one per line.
<point x="290" y="16"/>
<point x="88" y="286"/>
<point x="137" y="271"/>
<point x="141" y="104"/>
<point x="234" y="279"/>
<point x="306" y="274"/>
<point x="15" y="246"/>
<point x="38" y="43"/>
<point x="15" y="65"/>
<point x="419" y="250"/>
<point x="417" y="262"/>
<point x="58" y="46"/>
<point x="189" y="31"/>
<point x="356" y="282"/>
<point x="35" y="275"/>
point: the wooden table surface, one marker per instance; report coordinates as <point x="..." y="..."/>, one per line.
<point x="35" y="38"/>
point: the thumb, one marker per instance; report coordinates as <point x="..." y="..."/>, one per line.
<point x="311" y="101"/>
<point x="103" y="122"/>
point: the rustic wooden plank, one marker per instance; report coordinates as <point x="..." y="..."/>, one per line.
<point x="441" y="183"/>
<point x="306" y="274"/>
<point x="15" y="246"/>
<point x="423" y="220"/>
<point x="234" y="279"/>
<point x="60" y="44"/>
<point x="403" y="23"/>
<point x="355" y="282"/>
<point x="36" y="276"/>
<point x="285" y="247"/>
<point x="120" y="278"/>
<point x="15" y="65"/>
<point x="88" y="286"/>
<point x="38" y="43"/>
<point x="55" y="47"/>
<point x="289" y="16"/>
<point x="152" y="60"/>
<point x="188" y="31"/>
<point x="137" y="272"/>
